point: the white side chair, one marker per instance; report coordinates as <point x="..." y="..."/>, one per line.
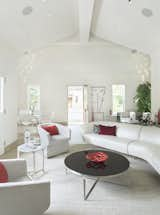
<point x="21" y="196"/>
<point x="56" y="144"/>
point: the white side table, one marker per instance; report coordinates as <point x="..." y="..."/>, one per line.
<point x="30" y="148"/>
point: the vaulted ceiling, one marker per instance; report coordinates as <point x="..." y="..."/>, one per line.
<point x="33" y="24"/>
<point x="124" y="23"/>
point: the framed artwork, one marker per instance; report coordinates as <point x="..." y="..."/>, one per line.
<point x="97" y="102"/>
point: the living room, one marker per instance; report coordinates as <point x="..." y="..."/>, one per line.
<point x="79" y="81"/>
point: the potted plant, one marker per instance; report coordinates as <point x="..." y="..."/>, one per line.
<point x="143" y="98"/>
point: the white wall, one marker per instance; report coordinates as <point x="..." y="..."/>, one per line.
<point x="57" y="67"/>
<point x="8" y="120"/>
<point x="155" y="81"/>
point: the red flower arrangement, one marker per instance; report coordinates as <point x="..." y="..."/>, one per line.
<point x="97" y="157"/>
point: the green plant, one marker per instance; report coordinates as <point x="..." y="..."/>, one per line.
<point x="143" y="98"/>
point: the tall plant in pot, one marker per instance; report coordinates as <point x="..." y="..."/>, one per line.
<point x="143" y="98"/>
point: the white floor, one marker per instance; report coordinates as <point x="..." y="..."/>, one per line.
<point x="76" y="136"/>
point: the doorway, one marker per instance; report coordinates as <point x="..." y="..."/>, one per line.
<point x="77" y="104"/>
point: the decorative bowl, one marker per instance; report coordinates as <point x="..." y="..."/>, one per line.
<point x="97" y="157"/>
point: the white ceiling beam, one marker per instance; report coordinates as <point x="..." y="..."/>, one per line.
<point x="85" y="19"/>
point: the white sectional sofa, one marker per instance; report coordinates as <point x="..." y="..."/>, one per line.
<point x="135" y="140"/>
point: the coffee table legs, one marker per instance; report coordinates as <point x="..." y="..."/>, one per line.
<point x="86" y="195"/>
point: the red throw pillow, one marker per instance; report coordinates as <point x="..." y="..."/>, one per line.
<point x="51" y="129"/>
<point x="108" y="130"/>
<point x="3" y="174"/>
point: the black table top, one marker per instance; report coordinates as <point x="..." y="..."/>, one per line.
<point x="78" y="163"/>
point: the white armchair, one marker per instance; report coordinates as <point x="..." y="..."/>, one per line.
<point x="56" y="144"/>
<point x="20" y="196"/>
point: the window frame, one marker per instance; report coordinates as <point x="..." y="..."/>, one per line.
<point x="29" y="96"/>
<point x="124" y="99"/>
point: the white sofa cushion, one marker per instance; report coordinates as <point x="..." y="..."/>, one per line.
<point x="150" y="134"/>
<point x="139" y="149"/>
<point x="146" y="151"/>
<point x="58" y="138"/>
<point x="129" y="131"/>
<point x="20" y="179"/>
<point x="110" y="142"/>
<point x="126" y="130"/>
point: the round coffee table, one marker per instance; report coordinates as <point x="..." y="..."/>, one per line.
<point x="80" y="165"/>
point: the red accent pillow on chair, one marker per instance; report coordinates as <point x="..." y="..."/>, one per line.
<point x="3" y="174"/>
<point x="107" y="130"/>
<point x="51" y="129"/>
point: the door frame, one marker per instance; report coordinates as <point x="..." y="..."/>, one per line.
<point x="85" y="110"/>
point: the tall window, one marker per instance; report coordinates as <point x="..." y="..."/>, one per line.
<point x="1" y="94"/>
<point x="33" y="93"/>
<point x="118" y="98"/>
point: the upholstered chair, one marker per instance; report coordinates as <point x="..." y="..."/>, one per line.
<point x="20" y="195"/>
<point x="56" y="144"/>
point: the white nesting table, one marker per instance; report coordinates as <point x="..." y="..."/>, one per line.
<point x="31" y="148"/>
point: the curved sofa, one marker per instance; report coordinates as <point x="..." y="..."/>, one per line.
<point x="135" y="140"/>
